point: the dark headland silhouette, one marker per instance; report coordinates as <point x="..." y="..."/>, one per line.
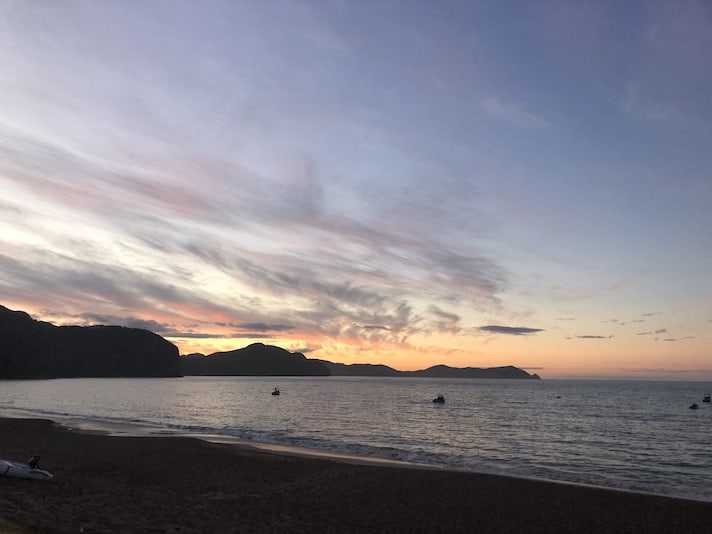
<point x="36" y="349"/>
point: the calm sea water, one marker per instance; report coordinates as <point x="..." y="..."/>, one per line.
<point x="631" y="435"/>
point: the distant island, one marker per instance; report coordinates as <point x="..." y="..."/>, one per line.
<point x="436" y="371"/>
<point x="31" y="349"/>
<point x="267" y="360"/>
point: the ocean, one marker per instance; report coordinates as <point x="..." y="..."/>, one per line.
<point x="629" y="435"/>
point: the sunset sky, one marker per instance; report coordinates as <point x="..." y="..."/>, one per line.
<point x="399" y="182"/>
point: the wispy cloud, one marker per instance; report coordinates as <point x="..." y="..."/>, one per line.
<point x="509" y="330"/>
<point x="199" y="221"/>
<point x="264" y="327"/>
<point x="653" y="333"/>
<point x="512" y="113"/>
<point x="635" y="105"/>
<point x="673" y="339"/>
<point x="373" y="197"/>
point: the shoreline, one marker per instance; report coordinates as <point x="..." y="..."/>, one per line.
<point x="108" y="483"/>
<point x="129" y="429"/>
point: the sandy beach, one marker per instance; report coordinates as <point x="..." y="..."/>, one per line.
<point x="175" y="484"/>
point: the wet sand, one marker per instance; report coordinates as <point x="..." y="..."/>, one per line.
<point x="176" y="484"/>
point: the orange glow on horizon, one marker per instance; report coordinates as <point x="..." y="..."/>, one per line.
<point x="561" y="359"/>
<point x="548" y="354"/>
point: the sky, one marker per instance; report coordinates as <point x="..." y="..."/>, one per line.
<point x="470" y="183"/>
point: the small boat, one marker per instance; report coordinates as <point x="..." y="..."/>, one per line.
<point x="694" y="406"/>
<point x="439" y="399"/>
<point x="275" y="391"/>
<point x="29" y="470"/>
<point x="706" y="398"/>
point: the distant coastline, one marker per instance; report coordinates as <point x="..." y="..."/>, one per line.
<point x="259" y="359"/>
<point x="31" y="349"/>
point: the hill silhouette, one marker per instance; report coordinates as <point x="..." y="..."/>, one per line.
<point x="445" y="371"/>
<point x="360" y="369"/>
<point x="267" y="360"/>
<point x="254" y="360"/>
<point x="36" y="349"/>
<point x="436" y="371"/>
